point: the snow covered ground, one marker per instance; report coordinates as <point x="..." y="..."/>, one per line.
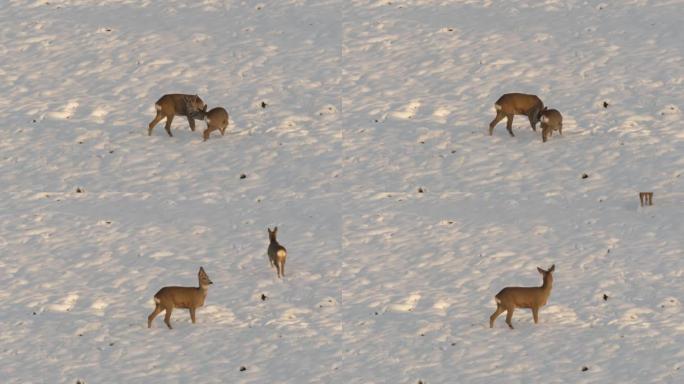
<point x="367" y="103"/>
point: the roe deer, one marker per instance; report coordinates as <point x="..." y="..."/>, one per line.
<point x="176" y="104"/>
<point x="510" y="298"/>
<point x="551" y="120"/>
<point x="217" y="119"/>
<point x="191" y="298"/>
<point x="276" y="253"/>
<point x="516" y="104"/>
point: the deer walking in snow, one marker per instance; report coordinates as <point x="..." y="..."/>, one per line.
<point x="512" y="104"/>
<point x="176" y="104"/>
<point x="276" y="253"/>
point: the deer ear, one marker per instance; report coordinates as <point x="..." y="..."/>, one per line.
<point x="553" y="267"/>
<point x="540" y="270"/>
<point x="275" y="229"/>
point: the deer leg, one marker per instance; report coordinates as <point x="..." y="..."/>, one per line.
<point x="282" y="268"/>
<point x="191" y="121"/>
<point x="167" y="317"/>
<point x="154" y="122"/>
<point x="208" y="132"/>
<point x="152" y="315"/>
<point x="223" y="130"/>
<point x="533" y="119"/>
<point x="509" y="124"/>
<point x="545" y="133"/>
<point x="560" y="129"/>
<point x="499" y="116"/>
<point x="192" y="315"/>
<point x="169" y="120"/>
<point x="492" y="318"/>
<point x="535" y="315"/>
<point x="509" y="317"/>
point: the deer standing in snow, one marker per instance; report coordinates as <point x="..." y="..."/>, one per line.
<point x="276" y="253"/>
<point x="510" y="298"/>
<point x="176" y="104"/>
<point x="512" y="104"/>
<point x="217" y="119"/>
<point x="551" y="120"/>
<point x="191" y="298"/>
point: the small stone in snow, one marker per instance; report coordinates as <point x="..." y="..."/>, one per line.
<point x="584" y="369"/>
<point x="605" y="297"/>
<point x="584" y="176"/>
<point x="263" y="297"/>
<point x="605" y="104"/>
<point x="243" y="176"/>
<point x="263" y="104"/>
<point x="242" y="369"/>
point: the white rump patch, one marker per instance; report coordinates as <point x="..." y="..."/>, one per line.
<point x="497" y="300"/>
<point x="208" y="120"/>
<point x="156" y="300"/>
<point x="497" y="106"/>
<point x="157" y="107"/>
<point x="544" y="119"/>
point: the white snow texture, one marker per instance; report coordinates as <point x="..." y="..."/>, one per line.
<point x="360" y="129"/>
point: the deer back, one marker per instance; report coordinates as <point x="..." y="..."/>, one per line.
<point x="180" y="104"/>
<point x="181" y="297"/>
<point x="523" y="297"/>
<point x="552" y="118"/>
<point x="519" y="103"/>
<point x="217" y="117"/>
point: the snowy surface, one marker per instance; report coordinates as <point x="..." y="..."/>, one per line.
<point x="366" y="103"/>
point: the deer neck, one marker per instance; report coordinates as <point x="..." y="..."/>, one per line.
<point x="547" y="285"/>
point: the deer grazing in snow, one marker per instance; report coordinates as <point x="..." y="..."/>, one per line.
<point x="516" y="104"/>
<point x="551" y="120"/>
<point x="176" y="104"/>
<point x="276" y="253"/>
<point x="191" y="298"/>
<point x="510" y="298"/>
<point x="217" y="119"/>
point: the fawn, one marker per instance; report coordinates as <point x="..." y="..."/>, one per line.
<point x="551" y="120"/>
<point x="191" y="298"/>
<point x="510" y="298"/>
<point x="217" y="119"/>
<point x="276" y="253"/>
<point x="516" y="104"/>
<point x="176" y="104"/>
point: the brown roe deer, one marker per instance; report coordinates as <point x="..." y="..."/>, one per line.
<point x="510" y="298"/>
<point x="176" y="104"/>
<point x="217" y="119"/>
<point x="191" y="298"/>
<point x="551" y="120"/>
<point x="276" y="253"/>
<point x="512" y="104"/>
